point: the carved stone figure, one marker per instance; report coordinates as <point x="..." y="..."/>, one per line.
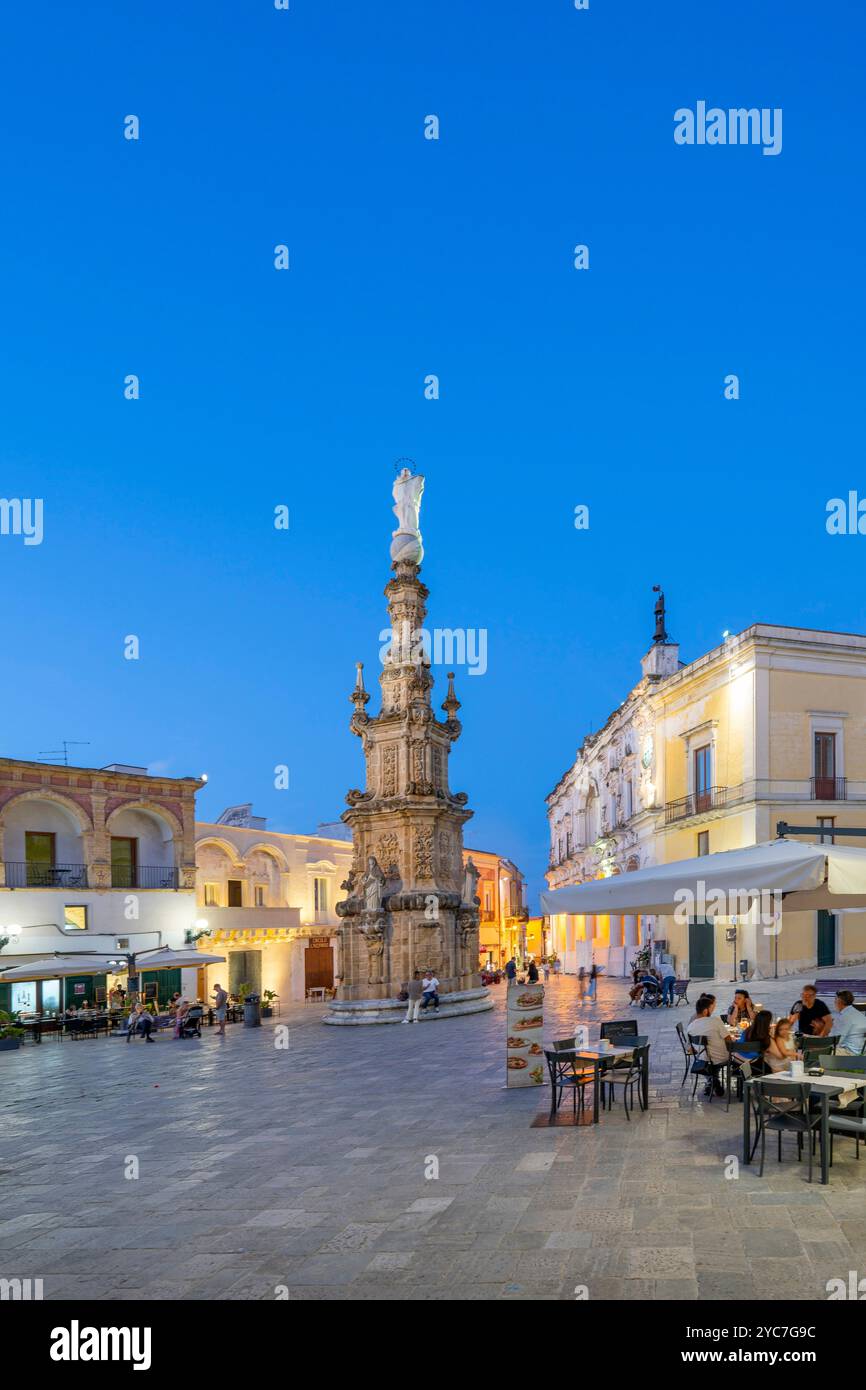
<point x="471" y="875"/>
<point x="373" y="883"/>
<point x="406" y="543"/>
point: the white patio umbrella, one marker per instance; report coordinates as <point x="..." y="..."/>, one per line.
<point x="166" y="959"/>
<point x="59" y="968"/>
<point x="809" y="877"/>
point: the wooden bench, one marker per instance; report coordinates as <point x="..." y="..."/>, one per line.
<point x="831" y="986"/>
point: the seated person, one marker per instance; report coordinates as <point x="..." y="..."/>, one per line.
<point x="782" y="1047"/>
<point x="753" y="1045"/>
<point x="742" y="1010"/>
<point x="850" y="1025"/>
<point x="707" y="1024"/>
<point x="139" y="1021"/>
<point x="810" y="1014"/>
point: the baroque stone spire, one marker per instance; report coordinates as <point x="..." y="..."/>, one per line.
<point x="405" y="909"/>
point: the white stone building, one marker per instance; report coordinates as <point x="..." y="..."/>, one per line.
<point x="269" y="900"/>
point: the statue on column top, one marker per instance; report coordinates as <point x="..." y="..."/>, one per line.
<point x="407" y="492"/>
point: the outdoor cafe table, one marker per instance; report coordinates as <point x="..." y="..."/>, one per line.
<point x="823" y="1089"/>
<point x="594" y="1057"/>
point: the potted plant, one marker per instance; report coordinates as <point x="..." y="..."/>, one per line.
<point x="10" y="1034"/>
<point x="268" y="997"/>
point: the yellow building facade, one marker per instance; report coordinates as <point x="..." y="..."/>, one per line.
<point x="708" y="756"/>
<point x="501" y="891"/>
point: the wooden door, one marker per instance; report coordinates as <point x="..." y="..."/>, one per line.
<point x="319" y="967"/>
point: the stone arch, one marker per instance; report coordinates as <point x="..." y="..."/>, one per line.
<point x="79" y="816"/>
<point x="48" y="794"/>
<point x="159" y="813"/>
<point x="262" y="847"/>
<point x="225" y="846"/>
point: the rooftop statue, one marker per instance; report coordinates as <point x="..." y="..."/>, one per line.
<point x="406" y="543"/>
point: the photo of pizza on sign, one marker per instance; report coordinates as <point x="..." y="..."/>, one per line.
<point x="524" y="1064"/>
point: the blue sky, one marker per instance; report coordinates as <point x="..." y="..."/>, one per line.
<point x="411" y="257"/>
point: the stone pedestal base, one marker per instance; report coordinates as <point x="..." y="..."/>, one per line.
<point x="357" y="1011"/>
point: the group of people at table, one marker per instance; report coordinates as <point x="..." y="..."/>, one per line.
<point x="748" y="1034"/>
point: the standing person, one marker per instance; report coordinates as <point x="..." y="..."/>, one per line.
<point x="669" y="979"/>
<point x="220" y="1001"/>
<point x="429" y="991"/>
<point x="180" y="1013"/>
<point x="545" y="969"/>
<point x="511" y="970"/>
<point x="593" y="980"/>
<point x="581" y="984"/>
<point x="413" y="992"/>
<point x="532" y="973"/>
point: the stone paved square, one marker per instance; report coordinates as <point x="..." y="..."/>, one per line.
<point x="261" y="1167"/>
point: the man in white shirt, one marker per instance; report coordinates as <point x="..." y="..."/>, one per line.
<point x="707" y="1024"/>
<point x="849" y="1024"/>
<point x="430" y="991"/>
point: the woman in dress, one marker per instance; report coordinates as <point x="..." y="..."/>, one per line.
<point x="782" y="1049"/>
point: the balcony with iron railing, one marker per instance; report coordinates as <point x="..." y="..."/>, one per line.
<point x="24" y="875"/>
<point x="21" y="874"/>
<point x="143" y="876"/>
<point x="696" y="804"/>
<point x="829" y="788"/>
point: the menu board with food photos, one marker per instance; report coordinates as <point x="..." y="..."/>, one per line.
<point x="525" y="1065"/>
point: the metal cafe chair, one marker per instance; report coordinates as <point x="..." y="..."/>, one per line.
<point x="783" y="1106"/>
<point x="687" y="1053"/>
<point x="565" y="1073"/>
<point x="702" y="1066"/>
<point x="815" y="1047"/>
<point x="840" y="1065"/>
<point x="617" y="1027"/>
<point x="627" y="1074"/>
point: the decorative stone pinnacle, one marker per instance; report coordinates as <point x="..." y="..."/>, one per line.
<point x="359" y="695"/>
<point x="451" y="704"/>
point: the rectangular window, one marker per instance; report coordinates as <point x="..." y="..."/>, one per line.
<point x="320" y="894"/>
<point x="825" y="767"/>
<point x="75" y="918"/>
<point x="703" y="777"/>
<point x="50" y="996"/>
<point x="703" y="842"/>
<point x="828" y="825"/>
<point x="39" y="854"/>
<point x="211" y="895"/>
<point x="629" y="800"/>
<point x="236" y="892"/>
<point x="259" y="895"/>
<point x="124" y="858"/>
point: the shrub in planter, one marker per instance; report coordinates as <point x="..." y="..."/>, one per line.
<point x="10" y="1034"/>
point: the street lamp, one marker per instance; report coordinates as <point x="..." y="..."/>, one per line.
<point x="199" y="929"/>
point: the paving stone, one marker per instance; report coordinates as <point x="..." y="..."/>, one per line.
<point x="327" y="1193"/>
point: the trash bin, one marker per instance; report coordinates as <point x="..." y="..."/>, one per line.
<point x="253" y="1011"/>
<point x="744" y="969"/>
